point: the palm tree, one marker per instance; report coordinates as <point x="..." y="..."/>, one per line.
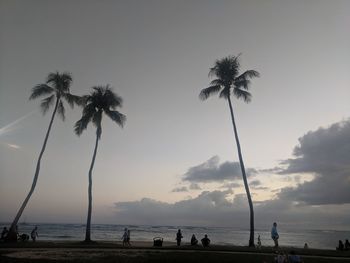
<point x="57" y="88"/>
<point x="101" y="100"/>
<point x="229" y="81"/>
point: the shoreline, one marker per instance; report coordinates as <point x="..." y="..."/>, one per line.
<point x="56" y="251"/>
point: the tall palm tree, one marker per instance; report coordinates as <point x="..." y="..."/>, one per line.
<point x="57" y="89"/>
<point x="229" y="81"/>
<point x="101" y="100"/>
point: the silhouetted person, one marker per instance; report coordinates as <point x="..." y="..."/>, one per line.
<point x="125" y="237"/>
<point x="347" y="244"/>
<point x="293" y="258"/>
<point x="194" y="240"/>
<point x="205" y="241"/>
<point x="178" y="237"/>
<point x="34" y="233"/>
<point x="128" y="238"/>
<point x="306" y="246"/>
<point x="4" y="233"/>
<point x="259" y="242"/>
<point x="274" y="234"/>
<point x="340" y="246"/>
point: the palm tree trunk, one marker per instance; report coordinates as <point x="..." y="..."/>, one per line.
<point x="88" y="221"/>
<point x="12" y="236"/>
<point x="251" y="237"/>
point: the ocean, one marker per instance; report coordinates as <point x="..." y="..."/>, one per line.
<point x="322" y="239"/>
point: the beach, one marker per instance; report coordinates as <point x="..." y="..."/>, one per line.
<point x="74" y="251"/>
<point x="226" y="236"/>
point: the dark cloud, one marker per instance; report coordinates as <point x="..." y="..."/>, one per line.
<point x="212" y="170"/>
<point x="180" y="189"/>
<point x="325" y="153"/>
<point x="209" y="208"/>
<point x="205" y="209"/>
<point x="255" y="183"/>
<point x="194" y="186"/>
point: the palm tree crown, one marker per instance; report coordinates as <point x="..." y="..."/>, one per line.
<point x="101" y="100"/>
<point x="228" y="80"/>
<point x="57" y="85"/>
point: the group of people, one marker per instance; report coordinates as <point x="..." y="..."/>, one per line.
<point x="22" y="237"/>
<point x="194" y="241"/>
<point x="343" y="246"/>
<point x="126" y="237"/>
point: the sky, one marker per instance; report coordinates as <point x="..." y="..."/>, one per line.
<point x="175" y="161"/>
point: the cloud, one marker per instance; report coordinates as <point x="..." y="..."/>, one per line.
<point x="255" y="183"/>
<point x="205" y="209"/>
<point x="12" y="126"/>
<point x="13" y="146"/>
<point x="213" y="171"/>
<point x="231" y="185"/>
<point x="180" y="189"/>
<point x="209" y="208"/>
<point x="325" y="153"/>
<point x="194" y="186"/>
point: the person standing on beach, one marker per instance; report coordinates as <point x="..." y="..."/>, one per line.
<point x="128" y="238"/>
<point x="259" y="242"/>
<point x="125" y="237"/>
<point x="34" y="233"/>
<point x="274" y="234"/>
<point x="178" y="237"/>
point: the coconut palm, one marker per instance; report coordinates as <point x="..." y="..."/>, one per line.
<point x="57" y="89"/>
<point x="101" y="100"/>
<point x="228" y="81"/>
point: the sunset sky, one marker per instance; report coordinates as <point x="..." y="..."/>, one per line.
<point x="175" y="161"/>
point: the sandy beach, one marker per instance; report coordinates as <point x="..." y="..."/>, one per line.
<point x="145" y="252"/>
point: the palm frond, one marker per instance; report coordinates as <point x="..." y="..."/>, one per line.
<point x="112" y="99"/>
<point x="243" y="80"/>
<point x="242" y="94"/>
<point x="226" y="69"/>
<point x="96" y="120"/>
<point x="88" y="113"/>
<point x="207" y="92"/>
<point x="40" y="90"/>
<point x="225" y="93"/>
<point x="249" y="74"/>
<point x="101" y="99"/>
<point x="61" y="110"/>
<point x="217" y="82"/>
<point x="46" y="103"/>
<point x="61" y="82"/>
<point x="117" y="117"/>
<point x="242" y="83"/>
<point x="73" y="99"/>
